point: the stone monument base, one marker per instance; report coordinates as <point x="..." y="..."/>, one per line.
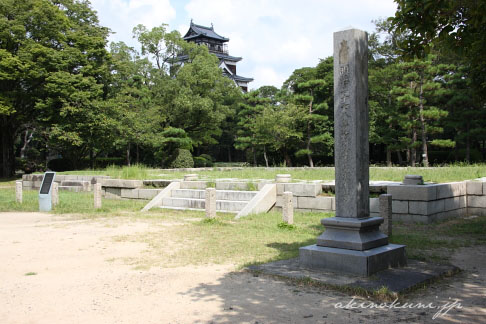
<point x="363" y="263"/>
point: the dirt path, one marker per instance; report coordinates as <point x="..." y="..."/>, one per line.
<point x="75" y="275"/>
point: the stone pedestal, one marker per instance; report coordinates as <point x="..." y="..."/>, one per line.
<point x="283" y="178"/>
<point x="18" y="191"/>
<point x="97" y="195"/>
<point x="210" y="203"/>
<point x="352" y="241"/>
<point x="190" y="177"/>
<point x="288" y="207"/>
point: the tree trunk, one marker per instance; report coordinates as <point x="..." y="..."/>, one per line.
<point x="91" y="158"/>
<point x="388" y="156"/>
<point x="413" y="152"/>
<point x="468" y="144"/>
<point x="8" y="158"/>
<point x="138" y="154"/>
<point x="288" y="161"/>
<point x="308" y="145"/>
<point x="424" y="131"/>
<point x="128" y="154"/>
<point x="229" y="153"/>
<point x="400" y="159"/>
<point x="265" y="156"/>
<point x="253" y="152"/>
<point x="27" y="139"/>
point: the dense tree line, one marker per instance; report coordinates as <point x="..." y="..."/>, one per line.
<point x="67" y="100"/>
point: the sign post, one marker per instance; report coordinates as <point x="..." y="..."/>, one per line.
<point x="45" y="192"/>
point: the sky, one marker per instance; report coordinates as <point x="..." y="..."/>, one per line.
<point x="274" y="37"/>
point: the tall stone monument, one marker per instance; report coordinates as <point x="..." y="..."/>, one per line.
<point x="352" y="241"/>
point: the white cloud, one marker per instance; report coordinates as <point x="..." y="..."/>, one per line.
<point x="275" y="37"/>
<point x="122" y="15"/>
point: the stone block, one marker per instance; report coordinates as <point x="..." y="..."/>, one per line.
<point x="400" y="206"/>
<point x="385" y="201"/>
<point x="476" y="201"/>
<point x="263" y="201"/>
<point x="27" y="177"/>
<point x="474" y="188"/>
<point x="374" y="205"/>
<point x="148" y="194"/>
<point x="318" y="203"/>
<point x="280" y="189"/>
<point x="474" y="211"/>
<point x="453" y="189"/>
<point x="231" y="185"/>
<point x="97" y="195"/>
<point x="129" y="193"/>
<point x="262" y="183"/>
<point x="303" y="189"/>
<point x="363" y="263"/>
<point x="426" y="207"/>
<point x="194" y="185"/>
<point x="333" y="203"/>
<point x="122" y="183"/>
<point x="157" y="183"/>
<point x="454" y="203"/>
<point x="279" y="201"/>
<point x="283" y="178"/>
<point x="375" y="215"/>
<point x="402" y="218"/>
<point x="413" y="192"/>
<point x="27" y="184"/>
<point x="18" y="191"/>
<point x="111" y="192"/>
<point x="164" y="193"/>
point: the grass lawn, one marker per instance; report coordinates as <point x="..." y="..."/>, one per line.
<point x="180" y="238"/>
<point x="436" y="174"/>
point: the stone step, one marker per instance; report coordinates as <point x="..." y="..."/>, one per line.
<point x="198" y="209"/>
<point x="235" y="195"/>
<point x="71" y="188"/>
<point x="227" y="205"/>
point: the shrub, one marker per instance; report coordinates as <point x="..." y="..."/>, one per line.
<point x="183" y="160"/>
<point x="199" y="162"/>
<point x="60" y="165"/>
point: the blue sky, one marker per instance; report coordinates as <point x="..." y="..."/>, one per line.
<point x="274" y="37"/>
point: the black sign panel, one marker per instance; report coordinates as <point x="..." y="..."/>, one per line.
<point x="46" y="183"/>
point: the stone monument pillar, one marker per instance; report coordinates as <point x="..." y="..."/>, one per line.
<point x="97" y="195"/>
<point x="18" y="191"/>
<point x="55" y="193"/>
<point x="352" y="241"/>
<point x="288" y="207"/>
<point x="210" y="203"/>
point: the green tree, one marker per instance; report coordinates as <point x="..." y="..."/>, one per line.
<point x="419" y="88"/>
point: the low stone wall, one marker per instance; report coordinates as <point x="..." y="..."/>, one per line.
<point x="476" y="197"/>
<point x="429" y="202"/>
<point x="66" y="181"/>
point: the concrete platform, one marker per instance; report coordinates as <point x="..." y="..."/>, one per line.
<point x="397" y="280"/>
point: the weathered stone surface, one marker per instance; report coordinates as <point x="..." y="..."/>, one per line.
<point x="351" y="124"/>
<point x="302" y="189"/>
<point x="166" y="192"/>
<point x="194" y="185"/>
<point x="129" y="193"/>
<point x="374" y="205"/>
<point x="400" y="206"/>
<point x="476" y="211"/>
<point x="157" y="183"/>
<point x="262" y="202"/>
<point x="97" y="195"/>
<point x="111" y="192"/>
<point x="27" y="184"/>
<point x="413" y="179"/>
<point x="453" y="189"/>
<point x="476" y="201"/>
<point x="454" y="203"/>
<point x="288" y="207"/>
<point x="147" y="193"/>
<point x="55" y="194"/>
<point x="408" y="192"/>
<point x="121" y="183"/>
<point x="231" y="185"/>
<point x="210" y="203"/>
<point x="191" y="177"/>
<point x="319" y="203"/>
<point x="18" y="191"/>
<point x="283" y="178"/>
<point x="474" y="187"/>
<point x="385" y="202"/>
<point x="426" y="207"/>
<point x="363" y="263"/>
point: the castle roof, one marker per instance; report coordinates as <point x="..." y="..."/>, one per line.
<point x="196" y="31"/>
